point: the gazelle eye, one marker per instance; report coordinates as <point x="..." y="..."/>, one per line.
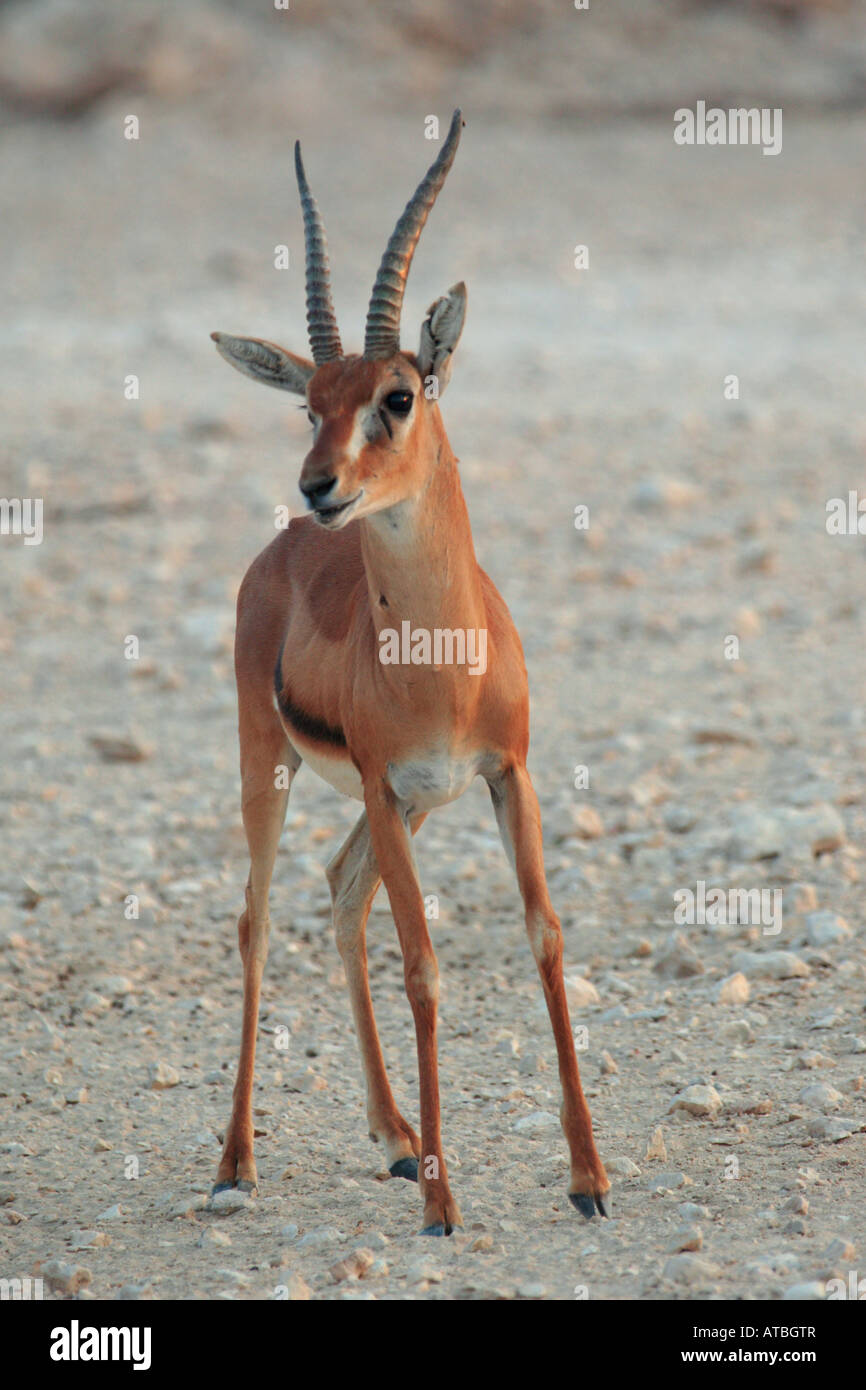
<point x="311" y="417"/>
<point x="399" y="402"/>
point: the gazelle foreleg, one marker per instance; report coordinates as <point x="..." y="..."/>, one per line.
<point x="353" y="876"/>
<point x="517" y="813"/>
<point x="392" y="846"/>
<point x="264" y="747"/>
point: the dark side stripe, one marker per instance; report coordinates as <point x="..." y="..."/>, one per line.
<point x="307" y="725"/>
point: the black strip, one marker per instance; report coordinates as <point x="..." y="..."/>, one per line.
<point x="306" y="724"/>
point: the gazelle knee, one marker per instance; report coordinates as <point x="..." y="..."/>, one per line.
<point x="422" y="981"/>
<point x="545" y="938"/>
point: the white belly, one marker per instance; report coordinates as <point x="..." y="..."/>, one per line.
<point x="339" y="772"/>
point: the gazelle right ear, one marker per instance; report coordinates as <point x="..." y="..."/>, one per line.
<point x="440" y="333"/>
<point x="265" y="362"/>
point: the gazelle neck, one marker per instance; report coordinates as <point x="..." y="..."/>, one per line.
<point x="419" y="556"/>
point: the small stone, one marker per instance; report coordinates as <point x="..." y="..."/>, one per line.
<point x="804" y="1292"/>
<point x="692" y="1212"/>
<point x="588" y="823"/>
<point x="622" y="1167"/>
<point x="305" y="1082"/>
<point x="826" y="928"/>
<point x="424" y="1272"/>
<point x="834" y="1129"/>
<point x="734" y="990"/>
<point x="697" y="1100"/>
<point x="185" y="1209"/>
<point x="607" y="1066"/>
<point x="482" y="1243"/>
<point x="840" y="1251"/>
<point x="538" y="1119"/>
<point x="666" y="1181"/>
<point x="354" y="1266"/>
<point x="319" y="1237"/>
<point x="679" y="819"/>
<point x="531" y="1289"/>
<point x="687" y="1238"/>
<point x="795" y="1227"/>
<point x="227" y="1202"/>
<point x="800" y="897"/>
<point x="134" y="1293"/>
<point x="820" y="1096"/>
<point x="115" y="986"/>
<point x="162" y="1077"/>
<point x="738" y="1030"/>
<point x="691" y="1270"/>
<point x="580" y="993"/>
<point x="678" y="959"/>
<point x="771" y="965"/>
<point x="656" y="1147"/>
<point x="87" y="1240"/>
<point x="294" y="1290"/>
<point x="102" y="1146"/>
<point x="62" y="1277"/>
<point x="77" y="1096"/>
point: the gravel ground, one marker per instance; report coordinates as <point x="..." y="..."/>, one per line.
<point x="707" y="521"/>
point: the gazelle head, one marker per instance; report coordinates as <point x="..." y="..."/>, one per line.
<point x="373" y="421"/>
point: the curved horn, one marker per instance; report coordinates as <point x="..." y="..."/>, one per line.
<point x="321" y="319"/>
<point x="382" y="333"/>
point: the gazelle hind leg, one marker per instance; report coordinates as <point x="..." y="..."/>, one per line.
<point x="353" y="877"/>
<point x="264" y="748"/>
<point x="517" y="813"/>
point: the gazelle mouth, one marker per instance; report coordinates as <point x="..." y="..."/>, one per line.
<point x="326" y="516"/>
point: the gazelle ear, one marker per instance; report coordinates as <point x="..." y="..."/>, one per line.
<point x="440" y="334"/>
<point x="265" y="362"/>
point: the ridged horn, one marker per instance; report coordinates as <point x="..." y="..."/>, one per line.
<point x="382" y="332"/>
<point x="321" y="320"/>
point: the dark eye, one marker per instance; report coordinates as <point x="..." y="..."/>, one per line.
<point x="399" y="402"/>
<point x="311" y="417"/>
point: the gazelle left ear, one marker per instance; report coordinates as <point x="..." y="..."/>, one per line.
<point x="266" y="362"/>
<point x="440" y="334"/>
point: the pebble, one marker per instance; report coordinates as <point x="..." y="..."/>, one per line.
<point x="669" y="1181"/>
<point x="771" y="965"/>
<point x="678" y="959"/>
<point x="580" y="992"/>
<point x="227" y="1202"/>
<point x="697" y="1100"/>
<point x="539" y="1119"/>
<point x="186" y="1208"/>
<point x="424" y="1272"/>
<point x="162" y="1077"/>
<point x="840" y="1251"/>
<point x="656" y="1147"/>
<point x="62" y="1277"/>
<point x="621" y="1167"/>
<point x="797" y="1203"/>
<point x="826" y="928"/>
<point x="87" y="1240"/>
<point x="734" y="990"/>
<point x="531" y="1289"/>
<point x="588" y="823"/>
<point x="692" y="1270"/>
<point x="804" y="1292"/>
<point x="692" y="1211"/>
<point x="687" y="1238"/>
<point x="820" y="1096"/>
<point x="607" y="1066"/>
<point x="354" y="1266"/>
<point x="319" y="1237"/>
<point x="305" y="1082"/>
<point x="833" y="1129"/>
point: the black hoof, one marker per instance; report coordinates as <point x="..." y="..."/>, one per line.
<point x="405" y="1168"/>
<point x="440" y="1229"/>
<point x="223" y="1186"/>
<point x="244" y="1185"/>
<point x="603" y="1204"/>
<point x="583" y="1202"/>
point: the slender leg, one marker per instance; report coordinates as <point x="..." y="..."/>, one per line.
<point x="353" y="875"/>
<point x="392" y="846"/>
<point x="264" y="747"/>
<point x="519" y="820"/>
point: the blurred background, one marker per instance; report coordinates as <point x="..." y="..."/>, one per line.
<point x="601" y="386"/>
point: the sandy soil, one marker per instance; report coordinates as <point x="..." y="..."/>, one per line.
<point x="601" y="387"/>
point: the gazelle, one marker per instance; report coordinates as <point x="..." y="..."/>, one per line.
<point x="387" y="543"/>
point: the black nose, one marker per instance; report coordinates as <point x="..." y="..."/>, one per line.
<point x="316" y="491"/>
